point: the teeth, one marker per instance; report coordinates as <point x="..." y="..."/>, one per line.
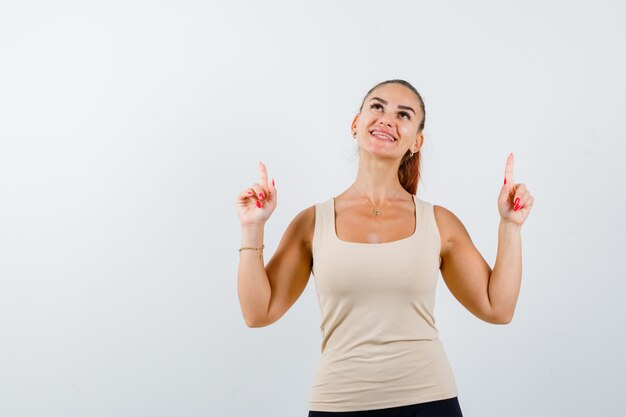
<point x="383" y="135"/>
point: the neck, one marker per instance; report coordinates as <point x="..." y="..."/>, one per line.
<point x="377" y="179"/>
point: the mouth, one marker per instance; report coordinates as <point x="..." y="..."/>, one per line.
<point x="382" y="136"/>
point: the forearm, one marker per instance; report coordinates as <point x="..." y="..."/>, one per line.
<point x="506" y="276"/>
<point x="253" y="286"/>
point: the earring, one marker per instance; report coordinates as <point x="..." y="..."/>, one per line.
<point x="354" y="134"/>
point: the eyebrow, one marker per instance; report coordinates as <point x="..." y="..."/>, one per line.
<point x="400" y="106"/>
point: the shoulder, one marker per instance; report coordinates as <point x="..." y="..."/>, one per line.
<point x="449" y="225"/>
<point x="304" y="224"/>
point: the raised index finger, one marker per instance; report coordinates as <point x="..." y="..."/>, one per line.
<point x="508" y="169"/>
<point x="263" y="175"/>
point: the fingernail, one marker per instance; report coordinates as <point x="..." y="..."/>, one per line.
<point x="504" y="181"/>
<point x="273" y="183"/>
<point x="261" y="196"/>
<point x="516" y="201"/>
<point x="258" y="204"/>
<point x="249" y="192"/>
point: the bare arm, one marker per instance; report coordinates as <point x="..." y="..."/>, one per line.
<point x="253" y="286"/>
<point x="266" y="293"/>
<point x="506" y="278"/>
<point x="489" y="294"/>
<point x="464" y="270"/>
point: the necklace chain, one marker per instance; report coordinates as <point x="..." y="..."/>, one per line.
<point x="375" y="210"/>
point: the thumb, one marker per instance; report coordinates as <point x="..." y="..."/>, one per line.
<point x="272" y="187"/>
<point x="505" y="193"/>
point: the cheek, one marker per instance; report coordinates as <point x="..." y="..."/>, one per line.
<point x="367" y="118"/>
<point x="408" y="130"/>
<point x="365" y="122"/>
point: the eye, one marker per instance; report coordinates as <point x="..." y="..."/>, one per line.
<point x="402" y="113"/>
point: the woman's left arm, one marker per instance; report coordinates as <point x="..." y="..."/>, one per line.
<point x="506" y="277"/>
<point x="490" y="295"/>
<point x="514" y="205"/>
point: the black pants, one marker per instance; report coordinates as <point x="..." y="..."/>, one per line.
<point x="441" y="408"/>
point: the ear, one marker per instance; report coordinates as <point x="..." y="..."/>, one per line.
<point x="419" y="140"/>
<point x="355" y="122"/>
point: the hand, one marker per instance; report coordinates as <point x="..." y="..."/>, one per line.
<point x="514" y="201"/>
<point x="256" y="204"/>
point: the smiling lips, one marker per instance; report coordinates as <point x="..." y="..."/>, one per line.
<point x="380" y="134"/>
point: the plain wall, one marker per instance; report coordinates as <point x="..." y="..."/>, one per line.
<point x="128" y="128"/>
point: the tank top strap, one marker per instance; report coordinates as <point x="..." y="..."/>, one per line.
<point x="428" y="224"/>
<point x="323" y="225"/>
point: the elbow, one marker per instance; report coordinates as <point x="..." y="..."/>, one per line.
<point x="256" y="320"/>
<point x="499" y="316"/>
<point x="495" y="317"/>
<point x="253" y="324"/>
<point x="502" y="319"/>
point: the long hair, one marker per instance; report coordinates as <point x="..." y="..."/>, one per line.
<point x="409" y="170"/>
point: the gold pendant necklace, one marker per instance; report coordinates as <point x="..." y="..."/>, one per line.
<point x="375" y="210"/>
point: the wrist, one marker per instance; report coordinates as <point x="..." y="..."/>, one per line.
<point x="510" y="227"/>
<point x="252" y="235"/>
<point x="252" y="227"/>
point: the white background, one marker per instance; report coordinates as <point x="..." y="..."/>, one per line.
<point x="127" y="128"/>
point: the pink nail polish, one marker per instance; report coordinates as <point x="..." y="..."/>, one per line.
<point x="505" y="181"/>
<point x="261" y="196"/>
<point x="258" y="203"/>
<point x="273" y="183"/>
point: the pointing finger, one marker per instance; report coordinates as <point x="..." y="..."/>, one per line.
<point x="263" y="172"/>
<point x="508" y="170"/>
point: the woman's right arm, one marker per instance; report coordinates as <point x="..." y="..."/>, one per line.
<point x="253" y="285"/>
<point x="266" y="293"/>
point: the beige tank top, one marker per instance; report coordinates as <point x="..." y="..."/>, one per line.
<point x="380" y="346"/>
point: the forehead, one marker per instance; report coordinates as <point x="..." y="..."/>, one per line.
<point x="395" y="94"/>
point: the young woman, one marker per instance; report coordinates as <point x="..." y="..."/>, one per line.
<point x="376" y="251"/>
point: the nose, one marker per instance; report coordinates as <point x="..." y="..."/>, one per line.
<point x="385" y="121"/>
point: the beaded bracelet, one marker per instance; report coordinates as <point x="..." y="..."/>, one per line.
<point x="254" y="248"/>
<point x="249" y="247"/>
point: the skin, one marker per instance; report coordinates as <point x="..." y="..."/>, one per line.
<point x="489" y="294"/>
